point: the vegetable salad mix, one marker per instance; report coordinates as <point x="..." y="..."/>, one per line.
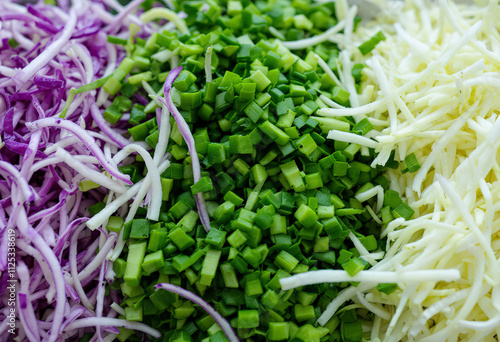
<point x="211" y="171"/>
<point x="256" y="190"/>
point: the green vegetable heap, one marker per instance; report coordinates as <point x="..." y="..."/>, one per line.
<point x="280" y="195"/>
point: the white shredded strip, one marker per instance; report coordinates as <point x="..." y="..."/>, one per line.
<point x="342" y="297"/>
<point x="339" y="276"/>
<point x="153" y="174"/>
<point x="484" y="325"/>
<point x="327" y="69"/>
<point x="361" y="110"/>
<point x="112" y="322"/>
<point x="330" y="103"/>
<point x="102" y="216"/>
<point x="208" y="64"/>
<point x="118" y="309"/>
<point x="88" y="173"/>
<point x="352" y="138"/>
<point x="364" y="196"/>
<point x="373" y="215"/>
<point x="320" y="38"/>
<point x="457" y="201"/>
<point x="439" y="306"/>
<point x="97" y="261"/>
<point x="358" y="245"/>
<point x="141" y="185"/>
<point x="431" y="89"/>
<point x="164" y="13"/>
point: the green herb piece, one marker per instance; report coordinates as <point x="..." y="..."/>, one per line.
<point x="370" y="44"/>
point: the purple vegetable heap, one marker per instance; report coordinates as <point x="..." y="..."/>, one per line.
<point x="55" y="162"/>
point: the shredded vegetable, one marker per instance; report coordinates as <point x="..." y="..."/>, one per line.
<point x="186" y="133"/>
<point x="264" y="171"/>
<point x="259" y="187"/>
<point x="55" y="170"/>
<point x="223" y="323"/>
<point x="430" y="86"/>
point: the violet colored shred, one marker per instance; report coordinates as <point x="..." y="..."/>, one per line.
<point x="221" y="321"/>
<point x="60" y="293"/>
<point x="188" y="137"/>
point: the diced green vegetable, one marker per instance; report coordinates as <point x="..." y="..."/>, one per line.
<point x="370" y="44"/>
<point x="279" y="194"/>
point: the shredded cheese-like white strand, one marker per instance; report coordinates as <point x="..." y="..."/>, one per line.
<point x="102" y="216"/>
<point x="432" y="88"/>
<point x="327" y="69"/>
<point x="118" y="308"/>
<point x="352" y="138"/>
<point x="331" y="103"/>
<point x="155" y="182"/>
<point x="361" y="110"/>
<point x="339" y="276"/>
<point x="94" y="176"/>
<point x="208" y="64"/>
<point x="364" y="196"/>
<point x="318" y="39"/>
<point x="164" y="135"/>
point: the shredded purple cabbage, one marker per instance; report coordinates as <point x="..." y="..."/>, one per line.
<point x="188" y="137"/>
<point x="221" y="321"/>
<point x="60" y="277"/>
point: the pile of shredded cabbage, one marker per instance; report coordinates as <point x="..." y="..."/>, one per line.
<point x="53" y="146"/>
<point x="434" y="90"/>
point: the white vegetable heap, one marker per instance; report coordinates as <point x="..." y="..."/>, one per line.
<point x="435" y="91"/>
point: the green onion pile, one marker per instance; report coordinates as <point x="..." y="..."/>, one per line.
<point x="280" y="195"/>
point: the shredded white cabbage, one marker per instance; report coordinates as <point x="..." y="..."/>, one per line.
<point x="433" y="88"/>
